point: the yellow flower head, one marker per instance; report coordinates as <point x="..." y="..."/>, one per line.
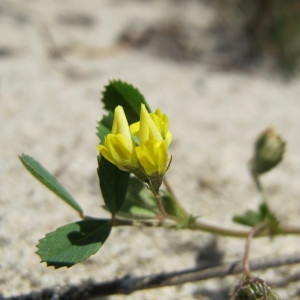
<point x="154" y="137"/>
<point x="162" y="123"/>
<point x="157" y="128"/>
<point x="118" y="147"/>
<point x="153" y="157"/>
<point x="141" y="148"/>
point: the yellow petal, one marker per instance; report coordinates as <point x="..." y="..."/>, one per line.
<point x="148" y="129"/>
<point x="116" y="151"/>
<point x="120" y="125"/>
<point x="162" y="123"/>
<point x="153" y="156"/>
<point x="135" y="129"/>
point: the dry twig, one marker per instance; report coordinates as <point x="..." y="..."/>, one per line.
<point x="130" y="284"/>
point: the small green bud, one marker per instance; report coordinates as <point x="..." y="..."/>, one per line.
<point x="268" y="152"/>
<point x="254" y="289"/>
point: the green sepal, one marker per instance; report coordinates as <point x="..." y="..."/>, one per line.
<point x="73" y="243"/>
<point x="47" y="179"/>
<point x="113" y="184"/>
<point x="118" y="92"/>
<point x="252" y="218"/>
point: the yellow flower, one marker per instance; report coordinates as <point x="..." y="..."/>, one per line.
<point x="162" y="123"/>
<point x="118" y="146"/>
<point x="160" y="128"/>
<point x="153" y="157"/>
<point x="154" y="137"/>
<point x="141" y="148"/>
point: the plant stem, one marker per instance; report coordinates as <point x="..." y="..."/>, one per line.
<point x="202" y="226"/>
<point x="170" y="189"/>
<point x="256" y="180"/>
<point x="218" y="230"/>
<point x="215" y="229"/>
<point x="175" y="199"/>
<point x="254" y="231"/>
<point x="259" y="186"/>
<point x="160" y="206"/>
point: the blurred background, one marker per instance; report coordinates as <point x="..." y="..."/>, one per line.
<point x="223" y="71"/>
<point x="271" y="29"/>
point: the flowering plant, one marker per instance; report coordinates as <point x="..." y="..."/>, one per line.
<point x="141" y="148"/>
<point x="132" y="165"/>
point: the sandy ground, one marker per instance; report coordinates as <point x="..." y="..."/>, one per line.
<point x="55" y="58"/>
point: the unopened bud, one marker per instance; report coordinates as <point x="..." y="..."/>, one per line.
<point x="268" y="151"/>
<point x="254" y="289"/>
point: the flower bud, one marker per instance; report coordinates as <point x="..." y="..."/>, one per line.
<point x="254" y="289"/>
<point x="268" y="152"/>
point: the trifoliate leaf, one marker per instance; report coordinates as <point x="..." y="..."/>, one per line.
<point x="47" y="179"/>
<point x="252" y="218"/>
<point x="118" y="92"/>
<point x="73" y="243"/>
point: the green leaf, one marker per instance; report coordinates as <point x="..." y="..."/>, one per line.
<point x="139" y="203"/>
<point x="270" y="217"/>
<point x="113" y="184"/>
<point x="249" y="218"/>
<point x="118" y="92"/>
<point x="252" y="218"/>
<point x="74" y="242"/>
<point x="47" y="179"/>
<point x="104" y="126"/>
